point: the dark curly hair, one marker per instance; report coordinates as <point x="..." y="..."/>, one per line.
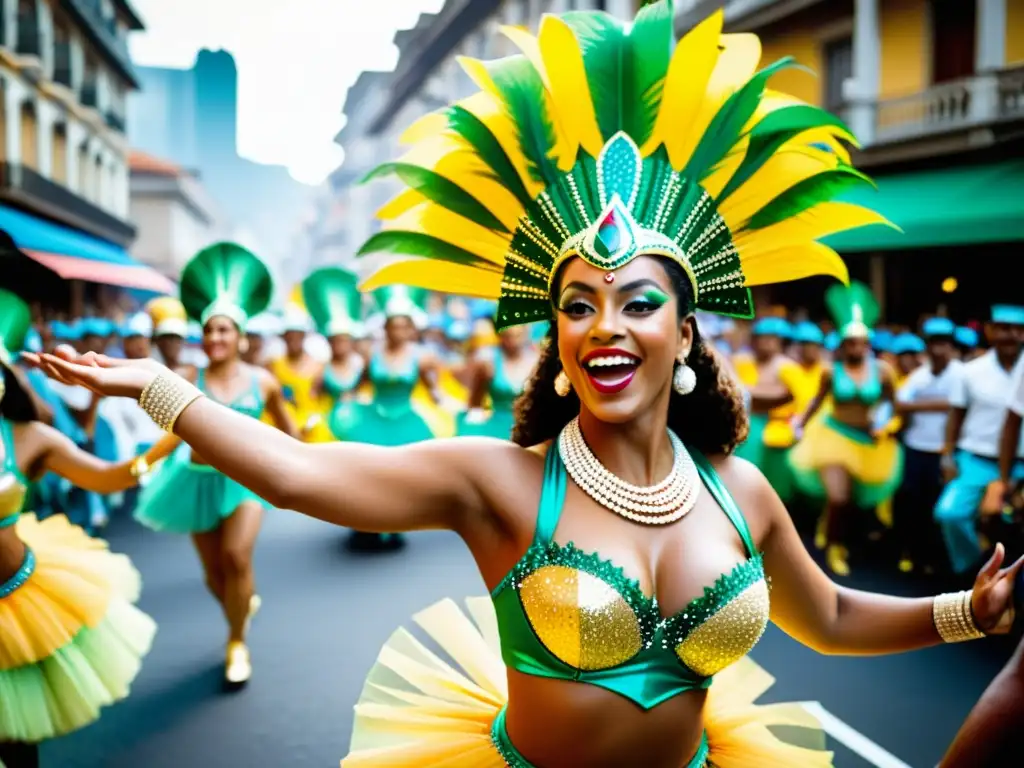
<point x="711" y="419"/>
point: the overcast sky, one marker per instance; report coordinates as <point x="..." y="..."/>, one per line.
<point x="296" y="59"/>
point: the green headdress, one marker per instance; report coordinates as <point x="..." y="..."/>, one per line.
<point x="225" y="279"/>
<point x="333" y="300"/>
<point x="15" y="322"/>
<point x="402" y="301"/>
<point x="606" y="140"/>
<point x="853" y="309"/>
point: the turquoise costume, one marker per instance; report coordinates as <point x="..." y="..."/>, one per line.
<point x="342" y="417"/>
<point x="503" y="393"/>
<point x="392" y="418"/>
<point x="224" y="280"/>
<point x="185" y="497"/>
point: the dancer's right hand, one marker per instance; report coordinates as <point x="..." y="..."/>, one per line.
<point x="103" y="375"/>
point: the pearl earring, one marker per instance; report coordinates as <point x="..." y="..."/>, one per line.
<point x="562" y="384"/>
<point x="684" y="380"/>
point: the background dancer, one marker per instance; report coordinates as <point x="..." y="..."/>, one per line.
<point x="499" y="374"/>
<point x="221" y="287"/>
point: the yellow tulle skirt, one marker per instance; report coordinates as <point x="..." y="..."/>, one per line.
<point x="71" y="640"/>
<point x="418" y="710"/>
<point x="874" y="466"/>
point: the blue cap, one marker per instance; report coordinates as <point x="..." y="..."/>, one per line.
<point x="1008" y="313"/>
<point x="938" y="326"/>
<point x="33" y="341"/>
<point x="907" y="344"/>
<point x="480" y="309"/>
<point x="95" y="326"/>
<point x="72" y="331"/>
<point x="808" y="333"/>
<point x="881" y="340"/>
<point x="772" y="326"/>
<point x="832" y="341"/>
<point x="966" y="337"/>
<point x="458" y="330"/>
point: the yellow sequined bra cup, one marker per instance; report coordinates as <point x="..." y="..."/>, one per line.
<point x="13" y="485"/>
<point x="571" y="615"/>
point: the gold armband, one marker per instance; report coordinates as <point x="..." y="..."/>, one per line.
<point x="166" y="398"/>
<point x="953" y="617"/>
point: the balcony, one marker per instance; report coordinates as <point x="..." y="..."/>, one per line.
<point x="103" y="33"/>
<point x="961" y="105"/>
<point x="23" y="185"/>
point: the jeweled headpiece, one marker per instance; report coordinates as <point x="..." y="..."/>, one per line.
<point x="225" y="279"/>
<point x="607" y="140"/>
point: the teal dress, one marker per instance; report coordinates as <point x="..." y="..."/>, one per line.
<point x="391" y="419"/>
<point x="185" y="497"/>
<point x="503" y="394"/>
<point x="343" y="416"/>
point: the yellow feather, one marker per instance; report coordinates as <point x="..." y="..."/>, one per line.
<point x="441" y="223"/>
<point x="815" y="223"/>
<point x="399" y="204"/>
<point x="454" y="159"/>
<point x="735" y="65"/>
<point x="491" y="112"/>
<point x="716" y="181"/>
<point x="528" y="44"/>
<point x="437" y="276"/>
<point x="689" y="70"/>
<point x="424" y="128"/>
<point x="793" y="263"/>
<point x="567" y="78"/>
<point x="784" y="169"/>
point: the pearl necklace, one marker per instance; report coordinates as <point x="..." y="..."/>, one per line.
<point x="658" y="504"/>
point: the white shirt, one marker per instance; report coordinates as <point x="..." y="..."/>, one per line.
<point x="75" y="397"/>
<point x="1016" y="400"/>
<point x="926" y="431"/>
<point x="982" y="388"/>
<point x="131" y="426"/>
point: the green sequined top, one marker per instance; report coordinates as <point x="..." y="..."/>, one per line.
<point x="571" y="615"/>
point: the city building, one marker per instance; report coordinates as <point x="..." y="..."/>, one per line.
<point x="379" y="106"/>
<point x="190" y="118"/>
<point x="934" y="92"/>
<point x="65" y="74"/>
<point x="174" y="214"/>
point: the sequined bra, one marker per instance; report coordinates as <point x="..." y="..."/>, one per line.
<point x="13" y="484"/>
<point x="845" y="389"/>
<point x="571" y="615"/>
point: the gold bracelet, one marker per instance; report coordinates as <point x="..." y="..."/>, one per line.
<point x="954" y="618"/>
<point x="166" y="398"/>
<point x="139" y="467"/>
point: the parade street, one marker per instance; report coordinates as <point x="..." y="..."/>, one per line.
<point x="326" y="612"/>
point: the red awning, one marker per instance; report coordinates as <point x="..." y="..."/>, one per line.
<point x="93" y="271"/>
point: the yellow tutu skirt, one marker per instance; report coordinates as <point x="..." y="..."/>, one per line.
<point x="875" y="466"/>
<point x="417" y="710"/>
<point x="71" y="641"/>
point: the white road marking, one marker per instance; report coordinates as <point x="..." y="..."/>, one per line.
<point x="852" y="739"/>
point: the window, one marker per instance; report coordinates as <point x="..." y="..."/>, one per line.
<point x="61" y="51"/>
<point x="838" y="69"/>
<point x="84" y="173"/>
<point x="28" y="28"/>
<point x="59" y="161"/>
<point x="29" y="137"/>
<point x="954" y="27"/>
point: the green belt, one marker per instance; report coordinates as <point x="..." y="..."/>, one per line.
<point x="512" y="758"/>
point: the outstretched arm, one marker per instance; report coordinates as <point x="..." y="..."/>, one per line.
<point x="832" y="619"/>
<point x="425" y="485"/>
<point x="819" y="400"/>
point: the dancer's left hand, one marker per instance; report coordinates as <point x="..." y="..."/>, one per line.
<point x="993" y="594"/>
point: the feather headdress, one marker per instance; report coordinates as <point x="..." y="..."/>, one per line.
<point x="225" y="279"/>
<point x="853" y="309"/>
<point x="331" y="296"/>
<point x="606" y="140"/>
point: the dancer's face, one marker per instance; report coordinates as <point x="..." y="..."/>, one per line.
<point x="855" y="350"/>
<point x="941" y="350"/>
<point x="220" y="339"/>
<point x="512" y="339"/>
<point x="170" y="348"/>
<point x="631" y="325"/>
<point x="341" y="346"/>
<point x="765" y="346"/>
<point x="399" y="329"/>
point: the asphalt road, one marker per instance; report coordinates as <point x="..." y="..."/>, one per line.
<point x="326" y="612"/>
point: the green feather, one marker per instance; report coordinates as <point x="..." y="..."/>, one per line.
<point x="420" y="244"/>
<point x="225" y="273"/>
<point x="332" y="294"/>
<point x="440" y="190"/>
<point x="15" y="321"/>
<point x="625" y="66"/>
<point x="523" y="94"/>
<point x="819" y="188"/>
<point x="771" y="133"/>
<point x="477" y="134"/>
<point x="727" y="125"/>
<point x="845" y="302"/>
